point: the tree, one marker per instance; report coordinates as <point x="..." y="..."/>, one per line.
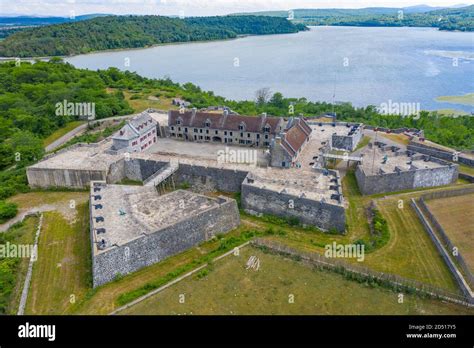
<point x="262" y="96"/>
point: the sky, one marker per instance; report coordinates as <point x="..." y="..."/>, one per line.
<point x="66" y="8"/>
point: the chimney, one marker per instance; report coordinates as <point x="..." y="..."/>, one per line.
<point x="193" y="116"/>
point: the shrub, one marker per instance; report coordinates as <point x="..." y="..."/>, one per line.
<point x="7" y="211"/>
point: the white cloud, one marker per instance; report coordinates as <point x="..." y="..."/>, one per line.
<point x="192" y="7"/>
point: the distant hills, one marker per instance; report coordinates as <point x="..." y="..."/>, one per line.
<point x="13" y="24"/>
<point x="452" y="18"/>
<point x="33" y="20"/>
<point x="121" y="32"/>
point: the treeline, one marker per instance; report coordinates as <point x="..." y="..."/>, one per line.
<point x="119" y="32"/>
<point x="461" y="19"/>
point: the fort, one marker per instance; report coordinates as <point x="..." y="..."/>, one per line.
<point x="135" y="226"/>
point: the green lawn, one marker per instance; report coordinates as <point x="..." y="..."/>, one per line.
<point x="62" y="273"/>
<point x="62" y="131"/>
<point x="230" y="289"/>
<point x="13" y="271"/>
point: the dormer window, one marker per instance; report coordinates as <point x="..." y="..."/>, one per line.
<point x="242" y="126"/>
<point x="121" y="132"/>
<point x="207" y="123"/>
<point x="266" y="129"/>
<point x="179" y="121"/>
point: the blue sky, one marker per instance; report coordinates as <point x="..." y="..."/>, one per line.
<point x="192" y="7"/>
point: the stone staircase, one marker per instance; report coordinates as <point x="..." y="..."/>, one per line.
<point x="162" y="174"/>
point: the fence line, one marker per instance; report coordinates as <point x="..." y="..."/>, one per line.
<point x="387" y="279"/>
<point x="33" y="258"/>
<point x="447" y="242"/>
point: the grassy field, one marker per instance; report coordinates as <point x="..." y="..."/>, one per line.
<point x="467" y="99"/>
<point x="10" y="293"/>
<point x="62" y="131"/>
<point x="62" y="272"/>
<point x="143" y="100"/>
<point x="104" y="299"/>
<point x="363" y="143"/>
<point x="230" y="289"/>
<point x="466" y="169"/>
<point x="457" y="220"/>
<point x="398" y="138"/>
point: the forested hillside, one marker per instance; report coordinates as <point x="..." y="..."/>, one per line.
<point x="445" y="19"/>
<point x="115" y="32"/>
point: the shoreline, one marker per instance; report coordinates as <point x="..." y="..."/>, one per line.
<point x="45" y="58"/>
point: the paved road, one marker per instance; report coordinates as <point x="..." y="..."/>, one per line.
<point x="78" y="131"/>
<point x="40" y="209"/>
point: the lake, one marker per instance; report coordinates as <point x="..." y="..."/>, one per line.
<point x="360" y="65"/>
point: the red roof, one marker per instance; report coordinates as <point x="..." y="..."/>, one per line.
<point x="296" y="136"/>
<point x="230" y="122"/>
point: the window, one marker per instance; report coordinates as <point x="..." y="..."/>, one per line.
<point x="266" y="136"/>
<point x="200" y="131"/>
<point x="266" y="129"/>
<point x="179" y="129"/>
<point x="242" y="126"/>
<point x="172" y="128"/>
<point x="185" y="130"/>
<point x="258" y="135"/>
<point x="230" y="133"/>
<point x="241" y="135"/>
<point x="216" y="132"/>
<point x="207" y="131"/>
<point x="248" y="135"/>
<point x="195" y="130"/>
<point x="178" y="122"/>
<point x="225" y="132"/>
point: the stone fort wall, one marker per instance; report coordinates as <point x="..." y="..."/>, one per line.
<point x="150" y="249"/>
<point x="210" y="178"/>
<point x="439" y="153"/>
<point x="71" y="178"/>
<point x="392" y="182"/>
<point x="310" y="212"/>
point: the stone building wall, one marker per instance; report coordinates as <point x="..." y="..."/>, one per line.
<point x="310" y="212"/>
<point x="150" y="249"/>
